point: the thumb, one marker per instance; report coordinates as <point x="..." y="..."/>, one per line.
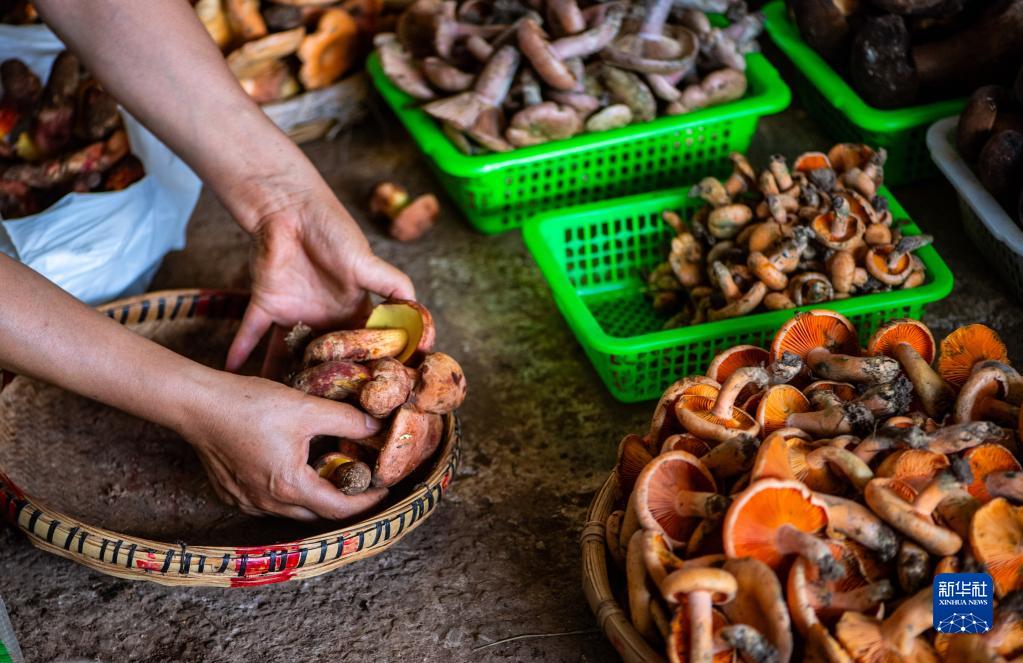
<point x="253" y="327"/>
<point x="383" y="278"/>
<point x="325" y="500"/>
<point x="342" y="420"/>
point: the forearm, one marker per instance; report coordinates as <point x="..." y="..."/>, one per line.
<point x="47" y="334"/>
<point x="156" y="58"/>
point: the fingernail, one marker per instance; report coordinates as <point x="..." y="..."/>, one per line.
<point x="372" y="425"/>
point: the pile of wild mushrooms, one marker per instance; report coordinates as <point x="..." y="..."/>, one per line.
<point x="795" y="503"/>
<point x="787" y="237"/>
<point x="502" y="74"/>
<point x="388" y="370"/>
<point x="902" y="52"/>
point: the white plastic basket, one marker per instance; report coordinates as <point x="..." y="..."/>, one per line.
<point x="986" y="222"/>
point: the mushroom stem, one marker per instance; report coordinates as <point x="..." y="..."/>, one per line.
<point x="915" y="519"/>
<point x="844" y="368"/>
<point x="859" y="523"/>
<point x="785" y="368"/>
<point x="792" y="540"/>
<point x="912" y="618"/>
<point x="906" y="245"/>
<point x="860" y="599"/>
<point x="935" y="395"/>
<point x="701" y="631"/>
<point x="656" y="16"/>
<point x="591" y="41"/>
<point x="750" y="642"/>
<point x="712" y="506"/>
<point x="731" y="457"/>
<point x="914" y="566"/>
<point x="959" y="437"/>
<point x="734" y="385"/>
<point x="857" y="472"/>
<point x="835" y="419"/>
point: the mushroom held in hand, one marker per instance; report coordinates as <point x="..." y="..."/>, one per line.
<point x="411" y="439"/>
<point x="351" y="476"/>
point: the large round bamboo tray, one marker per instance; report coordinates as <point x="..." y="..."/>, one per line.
<point x="614" y="620"/>
<point x="308" y="553"/>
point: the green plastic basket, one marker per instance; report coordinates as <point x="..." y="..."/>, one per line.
<point x="497" y="192"/>
<point x="594" y="258"/>
<point x="844" y="114"/>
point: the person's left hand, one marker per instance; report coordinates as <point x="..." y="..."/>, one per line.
<point x="311" y="263"/>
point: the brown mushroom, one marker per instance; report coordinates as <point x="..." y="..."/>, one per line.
<point x="410" y="441"/>
<point x="351" y="476"/>
<point x="985" y="395"/>
<point x="330" y="51"/>
<point x="760" y="603"/>
<point x="387" y="389"/>
<point x="911" y="343"/>
<point x="915" y="518"/>
<point x="542" y="123"/>
<point x="895" y="638"/>
<point x="411" y="317"/>
<point x="699" y="589"/>
<point x="399" y="67"/>
<point x="410" y="218"/>
<point x="718" y="418"/>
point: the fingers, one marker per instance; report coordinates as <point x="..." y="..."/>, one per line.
<point x="325" y="500"/>
<point x="341" y="420"/>
<point x="386" y="280"/>
<point x="253" y="327"/>
<point x="275" y="363"/>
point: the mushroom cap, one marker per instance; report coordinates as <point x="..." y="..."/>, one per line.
<point x="914" y="467"/>
<point x="760" y="603"/>
<point x="696" y="416"/>
<point x="863" y="638"/>
<point x="808" y="161"/>
<point x="728" y="361"/>
<point x="905" y="330"/>
<point x="330" y="51"/>
<point x="859" y="206"/>
<point x="964" y="348"/>
<point x="719" y="583"/>
<point x="411" y="316"/>
<point x="633" y="456"/>
<point x="248" y="60"/>
<point x="664" y="422"/>
<point x="330" y="461"/>
<point x="996" y="533"/>
<point x="686" y="442"/>
<point x="986" y="384"/>
<point x="876" y="263"/>
<point x="657" y="490"/>
<point x="985" y="459"/>
<point x="412" y="438"/>
<point x="783" y="456"/>
<point x="843" y="390"/>
<point x="777" y="404"/>
<point x="823" y="228"/>
<point x="846" y="156"/>
<point x="818" y="328"/>
<point x="750" y="527"/>
<point x="678" y="640"/>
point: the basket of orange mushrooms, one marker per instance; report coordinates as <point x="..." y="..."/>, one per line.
<point x="291" y="55"/>
<point x="815" y="231"/>
<point x="389" y="370"/>
<point x="795" y="502"/>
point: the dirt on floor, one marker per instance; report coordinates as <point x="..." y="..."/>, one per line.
<point x="495" y="573"/>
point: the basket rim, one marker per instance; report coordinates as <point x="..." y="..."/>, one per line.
<point x="611" y="616"/>
<point x="768" y="94"/>
<point x="591" y="335"/>
<point x="178" y="563"/>
<point x="965" y="182"/>
<point x="837" y="91"/>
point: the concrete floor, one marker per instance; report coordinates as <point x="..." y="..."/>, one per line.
<point x="500" y="557"/>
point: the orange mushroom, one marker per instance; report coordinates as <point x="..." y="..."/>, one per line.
<point x="843" y="390"/>
<point x="731" y="457"/>
<point x="773" y="519"/>
<point x="915" y="467"/>
<point x="851" y="520"/>
<point x="911" y="343"/>
<point x="673" y="492"/>
<point x="633" y="456"/>
<point x="775" y="406"/>
<point x="728" y="361"/>
<point x="897" y="638"/>
<point x="717" y="418"/>
<point x="329" y="51"/>
<point x="812" y="329"/>
<point x="893" y="264"/>
<point x="760" y="603"/>
<point x="788" y="455"/>
<point x="987" y="393"/>
<point x="817" y="168"/>
<point x="696" y="590"/>
<point x="686" y="442"/>
<point x="679" y="638"/>
<point x="965" y="348"/>
<point x="664" y="422"/>
<point x="995" y="537"/>
<point x="838" y="228"/>
<point x="1005" y="484"/>
<point x="915" y="518"/>
<point x="985" y="460"/>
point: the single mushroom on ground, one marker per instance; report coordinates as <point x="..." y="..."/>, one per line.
<point x="410" y="219"/>
<point x="773" y="519"/>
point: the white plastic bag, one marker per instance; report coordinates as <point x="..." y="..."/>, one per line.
<point x="100" y="246"/>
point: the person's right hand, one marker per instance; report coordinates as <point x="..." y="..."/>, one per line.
<point x="253" y="435"/>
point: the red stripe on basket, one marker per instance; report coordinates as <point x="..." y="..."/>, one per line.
<point x="283" y="558"/>
<point x="150" y="563"/>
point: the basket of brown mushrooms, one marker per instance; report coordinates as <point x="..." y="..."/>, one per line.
<point x="506" y="74"/>
<point x="796" y="502"/>
<point x="806" y="233"/>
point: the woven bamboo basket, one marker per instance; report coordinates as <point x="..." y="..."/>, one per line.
<point x="322" y="113"/>
<point x="613" y="619"/>
<point x="178" y="563"/>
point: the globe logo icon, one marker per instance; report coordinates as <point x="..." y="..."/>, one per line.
<point x="963" y="623"/>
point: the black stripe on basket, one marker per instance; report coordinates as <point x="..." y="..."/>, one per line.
<point x="103" y="550"/>
<point x="271" y="561"/>
<point x="19" y="506"/>
<point x="117" y="549"/>
<point x="177" y="307"/>
<point x="340" y="546"/>
<point x="161" y="306"/>
<point x="144" y="312"/>
<point x="243" y="564"/>
<point x="124" y="314"/>
<point x="362" y="541"/>
<point x="417" y="510"/>
<point x="33" y="519"/>
<point x="110" y="314"/>
<point x="184" y="566"/>
<point x="70" y="538"/>
<point x="301" y="557"/>
<point x="192" y="306"/>
<point x="225" y="560"/>
<point x="167" y="561"/>
<point x="131" y="555"/>
<point x="81" y="542"/>
<point x="401" y="523"/>
<point x="50" y="532"/>
<point x="431" y="501"/>
<point x="323" y="551"/>
<point x="202" y="563"/>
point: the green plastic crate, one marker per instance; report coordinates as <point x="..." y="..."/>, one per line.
<point x="844" y="114"/>
<point x="497" y="192"/>
<point x="594" y="258"/>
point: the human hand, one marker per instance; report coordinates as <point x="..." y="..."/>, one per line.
<point x="311" y="263"/>
<point x="252" y="436"/>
